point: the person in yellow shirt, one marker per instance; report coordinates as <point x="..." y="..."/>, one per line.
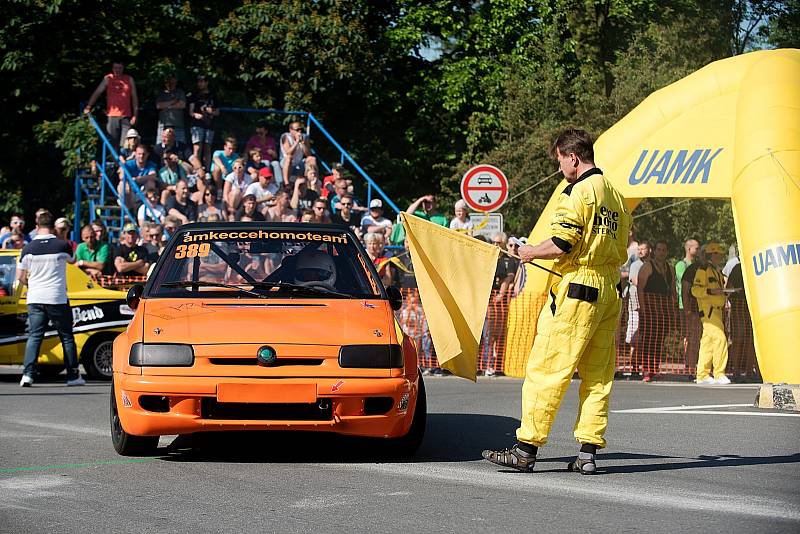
<point x="576" y="329"/>
<point x="707" y="288"/>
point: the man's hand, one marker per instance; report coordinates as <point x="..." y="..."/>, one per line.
<point x="526" y="252"/>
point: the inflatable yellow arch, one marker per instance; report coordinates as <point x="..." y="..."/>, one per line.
<point x="729" y="130"/>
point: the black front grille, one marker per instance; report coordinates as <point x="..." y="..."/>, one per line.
<point x="280" y="362"/>
<point x="212" y="409"/>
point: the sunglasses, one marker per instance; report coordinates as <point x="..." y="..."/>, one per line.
<point x="347" y="203"/>
<point x="208" y="194"/>
<point x="319" y="207"/>
<point x="153" y="235"/>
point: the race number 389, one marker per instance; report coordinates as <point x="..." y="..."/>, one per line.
<point x="191" y="251"/>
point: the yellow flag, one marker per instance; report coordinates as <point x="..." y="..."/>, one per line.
<point x="454" y="274"/>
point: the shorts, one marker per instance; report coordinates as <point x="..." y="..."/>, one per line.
<point x="202" y="135"/>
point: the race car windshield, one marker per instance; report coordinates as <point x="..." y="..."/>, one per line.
<point x="254" y="262"/>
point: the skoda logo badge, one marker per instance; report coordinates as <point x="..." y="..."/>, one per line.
<point x="266" y="356"/>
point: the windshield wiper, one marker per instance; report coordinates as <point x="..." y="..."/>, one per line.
<point x="200" y="283"/>
<point x="298" y="287"/>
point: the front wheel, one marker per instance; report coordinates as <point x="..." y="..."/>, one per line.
<point x="407" y="445"/>
<point x="126" y="444"/>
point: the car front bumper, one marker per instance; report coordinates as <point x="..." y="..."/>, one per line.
<point x="167" y="405"/>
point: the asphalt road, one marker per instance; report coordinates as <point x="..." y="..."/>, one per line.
<point x="680" y="458"/>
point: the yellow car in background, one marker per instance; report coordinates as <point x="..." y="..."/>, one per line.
<point x="99" y="315"/>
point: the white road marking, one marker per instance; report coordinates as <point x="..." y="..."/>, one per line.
<point x="703" y="410"/>
<point x="570" y="485"/>
<point x="55" y="426"/>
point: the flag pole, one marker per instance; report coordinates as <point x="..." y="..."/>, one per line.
<point x="531" y="263"/>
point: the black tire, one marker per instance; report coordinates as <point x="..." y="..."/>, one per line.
<point x="127" y="444"/>
<point x="97" y="356"/>
<point x="407" y="445"/>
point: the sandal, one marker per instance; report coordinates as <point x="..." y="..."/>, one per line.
<point x="583" y="464"/>
<point x="513" y="457"/>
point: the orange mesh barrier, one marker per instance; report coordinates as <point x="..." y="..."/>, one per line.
<point x="665" y="341"/>
<point x="119" y="283"/>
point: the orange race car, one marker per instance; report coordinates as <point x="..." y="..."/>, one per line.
<point x="265" y="326"/>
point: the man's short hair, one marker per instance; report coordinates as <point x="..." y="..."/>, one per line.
<point x="231" y="140"/>
<point x="577" y="142"/>
<point x="45" y="220"/>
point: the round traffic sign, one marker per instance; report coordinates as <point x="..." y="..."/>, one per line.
<point x="484" y="188"/>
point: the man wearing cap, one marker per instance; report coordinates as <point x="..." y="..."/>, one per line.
<point x="171" y="106"/>
<point x="130" y="259"/>
<point x="43" y="268"/>
<point x="707" y="288"/>
<point x="264" y="190"/>
<point x="122" y="103"/>
<point x="203" y="108"/>
<point x="374" y="222"/>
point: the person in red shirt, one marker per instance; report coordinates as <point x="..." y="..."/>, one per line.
<point x="122" y="103"/>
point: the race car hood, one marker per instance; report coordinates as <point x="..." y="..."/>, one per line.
<point x="295" y="321"/>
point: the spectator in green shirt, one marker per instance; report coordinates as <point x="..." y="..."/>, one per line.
<point x="428" y="211"/>
<point x="690" y="254"/>
<point x="91" y="256"/>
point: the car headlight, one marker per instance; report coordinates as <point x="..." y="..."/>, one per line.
<point x="161" y="355"/>
<point x="371" y="356"/>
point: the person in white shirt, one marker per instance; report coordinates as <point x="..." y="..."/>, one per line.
<point x="461" y="222"/>
<point x="374" y="222"/>
<point x="43" y="268"/>
<point x="264" y="189"/>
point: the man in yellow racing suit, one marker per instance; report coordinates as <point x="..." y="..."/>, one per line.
<point x="576" y="329"/>
<point x="707" y="289"/>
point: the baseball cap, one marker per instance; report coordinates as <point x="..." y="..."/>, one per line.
<point x="714" y="248"/>
<point x="251" y="196"/>
<point x="130" y="227"/>
<point x="376" y="203"/>
<point x="62" y="221"/>
<point x="266" y="171"/>
<point x="131" y="134"/>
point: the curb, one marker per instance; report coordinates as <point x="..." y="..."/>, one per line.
<point x="779" y="397"/>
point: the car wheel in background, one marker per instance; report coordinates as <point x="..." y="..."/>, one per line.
<point x="97" y="356"/>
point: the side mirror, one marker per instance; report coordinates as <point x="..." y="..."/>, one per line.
<point x="134" y="296"/>
<point x="395" y="297"/>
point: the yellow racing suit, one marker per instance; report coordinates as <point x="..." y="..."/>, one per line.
<point x="576" y="328"/>
<point x="713" y="344"/>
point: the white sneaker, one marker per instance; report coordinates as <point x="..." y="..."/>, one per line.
<point x="76" y="381"/>
<point x="489" y="372"/>
<point x="707" y="380"/>
<point x="722" y="381"/>
<point x="26" y="381"/>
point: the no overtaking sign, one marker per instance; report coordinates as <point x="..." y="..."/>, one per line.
<point x="484" y="188"/>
